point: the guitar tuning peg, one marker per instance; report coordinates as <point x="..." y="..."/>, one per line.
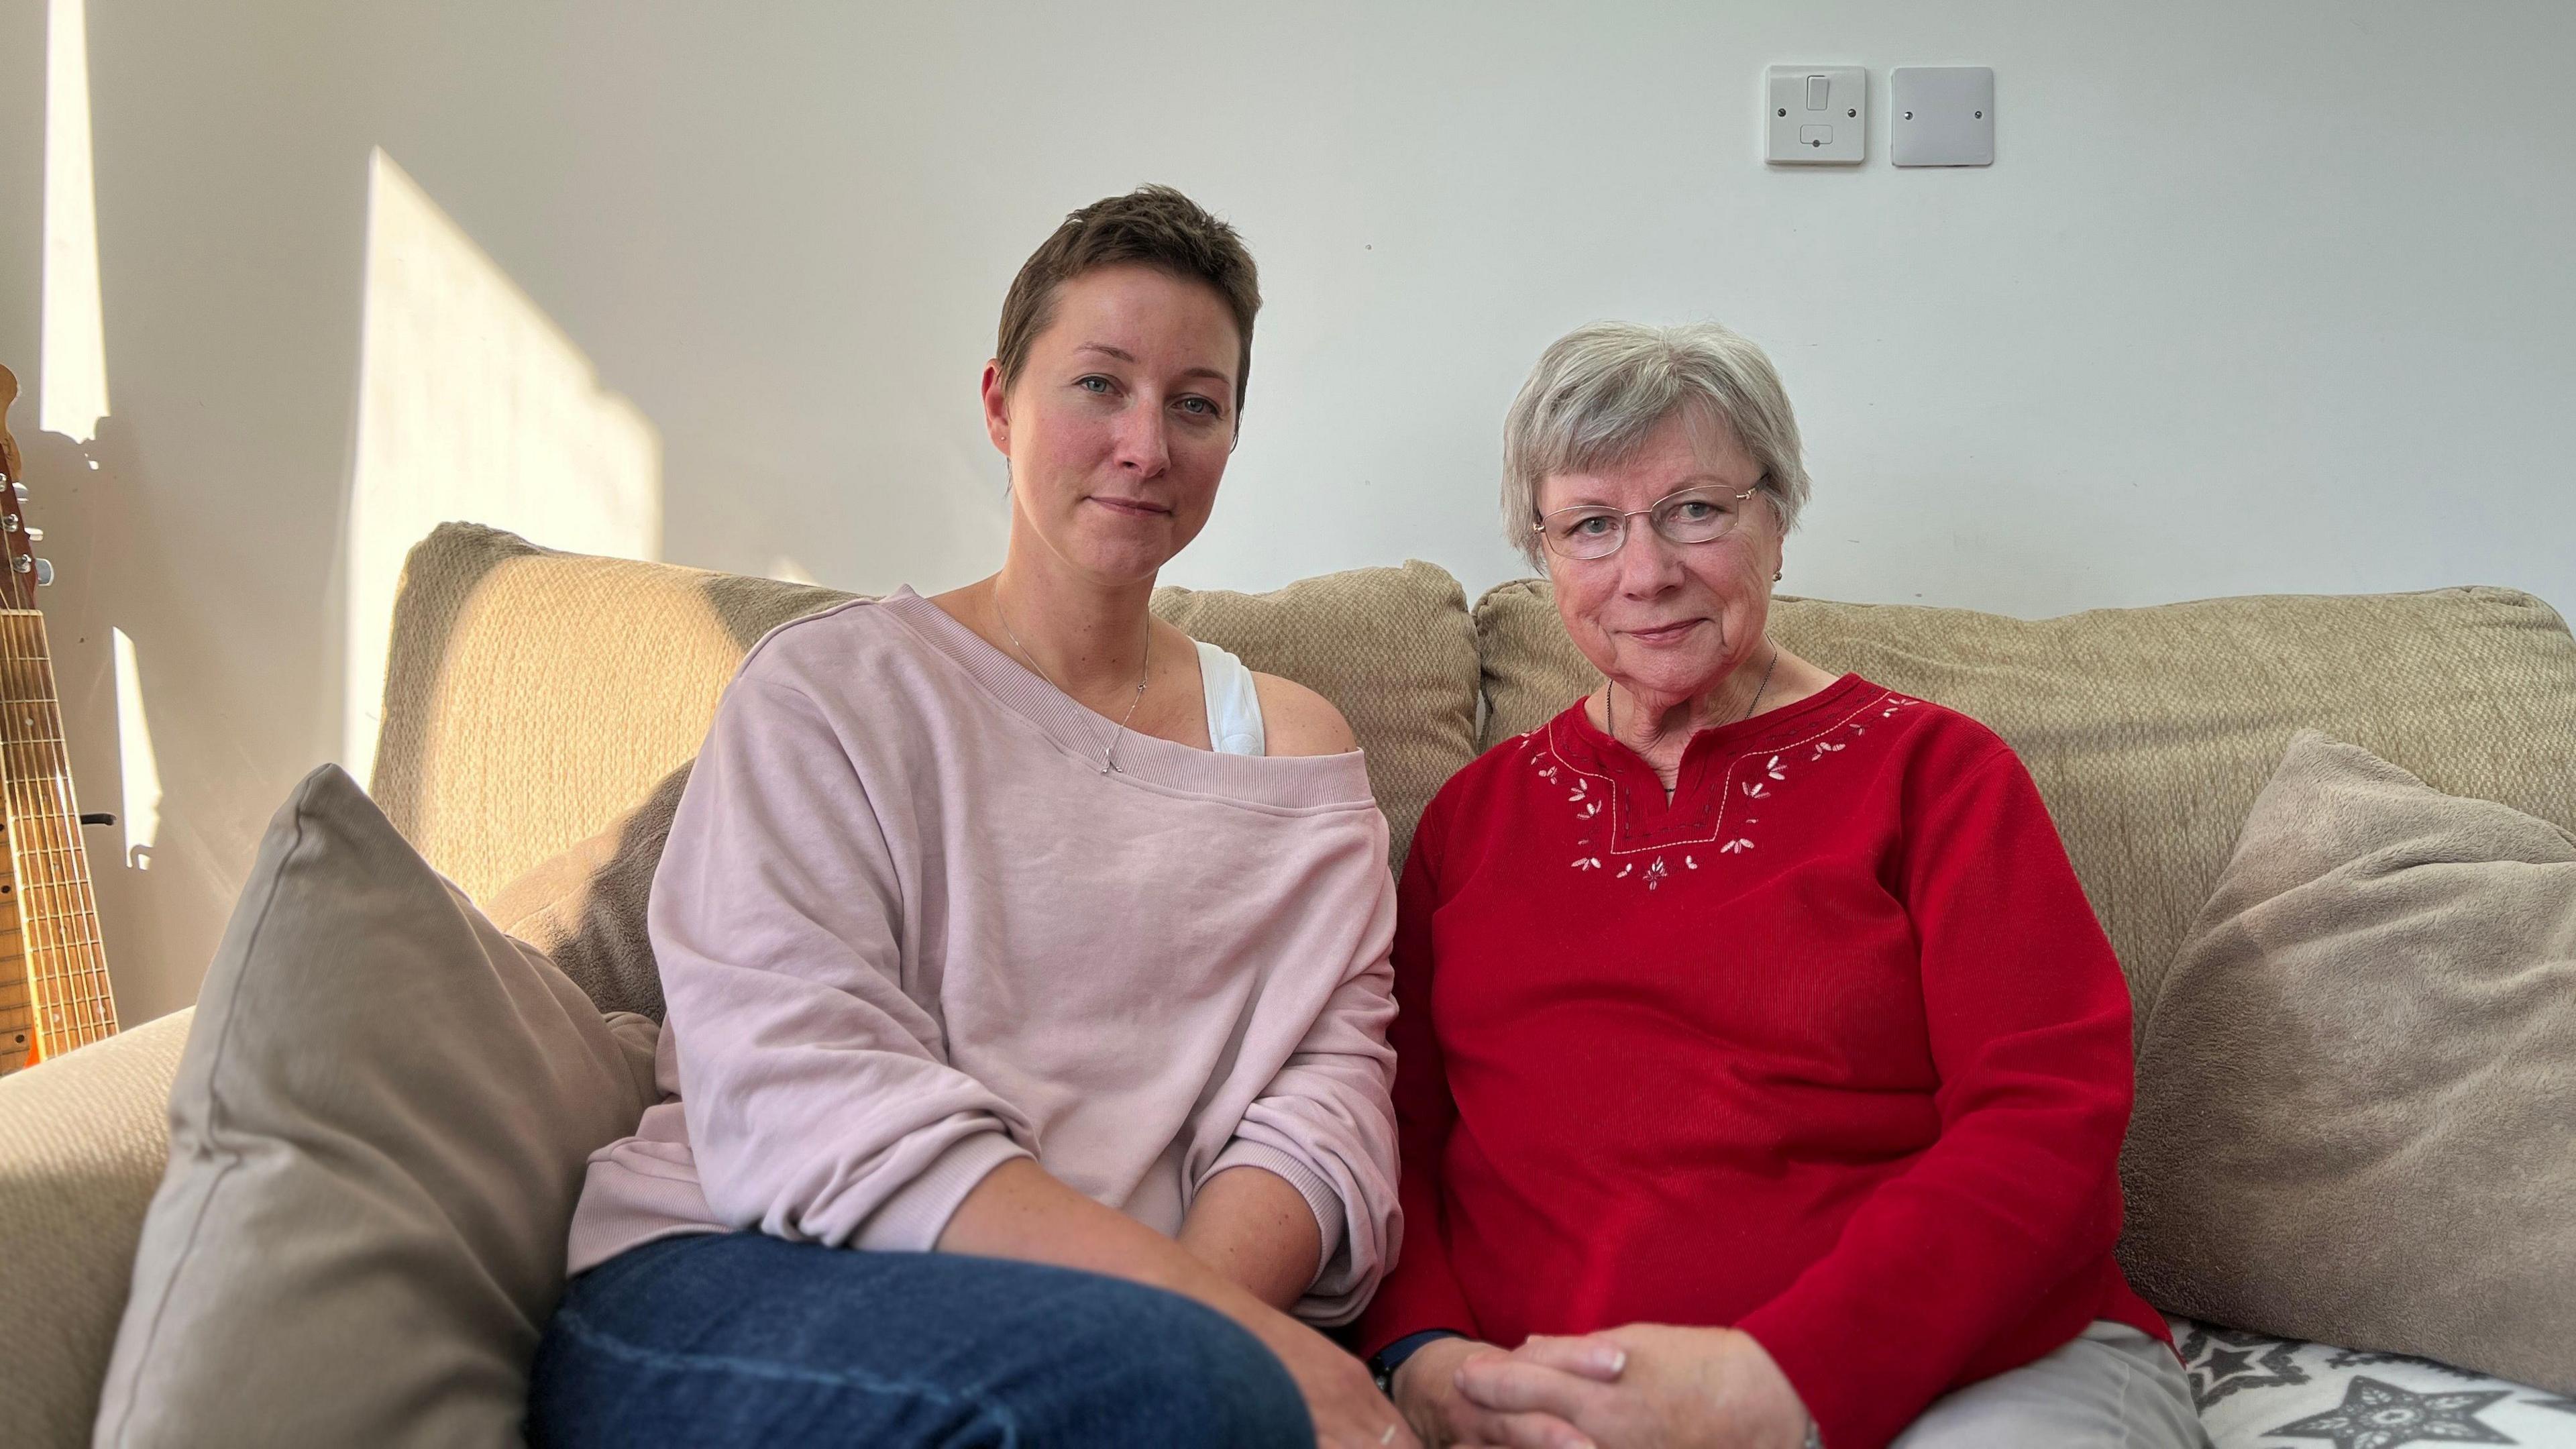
<point x="44" y="572"/>
<point x="19" y="489"/>
<point x="35" y="535"/>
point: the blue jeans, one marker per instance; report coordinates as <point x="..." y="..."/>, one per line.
<point x="721" y="1340"/>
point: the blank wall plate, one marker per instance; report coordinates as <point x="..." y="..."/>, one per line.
<point x="1818" y="115"/>
<point x="1941" y="115"/>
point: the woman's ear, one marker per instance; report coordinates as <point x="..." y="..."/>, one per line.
<point x="997" y="407"/>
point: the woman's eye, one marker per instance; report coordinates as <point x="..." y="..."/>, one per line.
<point x="1696" y="510"/>
<point x="1199" y="406"/>
<point x="1094" y="383"/>
<point x="1592" y="526"/>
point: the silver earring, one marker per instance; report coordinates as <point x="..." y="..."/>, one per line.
<point x="1775" y="576"/>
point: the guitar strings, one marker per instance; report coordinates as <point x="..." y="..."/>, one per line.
<point x="51" y="926"/>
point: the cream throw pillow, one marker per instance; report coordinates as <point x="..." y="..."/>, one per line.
<point x="377" y="1133"/>
<point x="2356" y="1117"/>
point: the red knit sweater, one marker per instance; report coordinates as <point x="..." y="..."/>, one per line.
<point x="1830" y="1048"/>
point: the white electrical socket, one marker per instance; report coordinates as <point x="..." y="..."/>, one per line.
<point x="1818" y="115"/>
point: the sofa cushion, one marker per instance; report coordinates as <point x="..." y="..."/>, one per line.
<point x="2150" y="731"/>
<point x="533" y="699"/>
<point x="585" y="907"/>
<point x="83" y="1140"/>
<point x="2356" y="1089"/>
<point x="377" y="1133"/>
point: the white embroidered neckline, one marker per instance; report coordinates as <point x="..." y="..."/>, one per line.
<point x="1542" y="751"/>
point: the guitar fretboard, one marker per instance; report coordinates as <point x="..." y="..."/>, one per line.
<point x="57" y="995"/>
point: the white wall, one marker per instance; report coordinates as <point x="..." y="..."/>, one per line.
<point x="2256" y="297"/>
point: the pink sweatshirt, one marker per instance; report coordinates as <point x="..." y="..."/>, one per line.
<point x="907" y="931"/>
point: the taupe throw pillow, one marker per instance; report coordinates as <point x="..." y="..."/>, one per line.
<point x="2356" y="1116"/>
<point x="377" y="1133"/>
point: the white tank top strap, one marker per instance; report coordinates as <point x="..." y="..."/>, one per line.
<point x="1233" y="708"/>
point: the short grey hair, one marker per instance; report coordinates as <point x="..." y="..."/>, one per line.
<point x="1599" y="391"/>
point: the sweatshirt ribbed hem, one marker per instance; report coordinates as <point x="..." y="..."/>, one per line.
<point x="1320" y="1198"/>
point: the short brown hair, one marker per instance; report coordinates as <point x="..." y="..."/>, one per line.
<point x="1153" y="226"/>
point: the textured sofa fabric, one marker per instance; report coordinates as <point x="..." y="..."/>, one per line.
<point x="2150" y="731"/>
<point x="83" y="1140"/>
<point x="533" y="697"/>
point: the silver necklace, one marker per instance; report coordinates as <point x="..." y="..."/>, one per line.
<point x="1610" y="693"/>
<point x="1108" y="757"/>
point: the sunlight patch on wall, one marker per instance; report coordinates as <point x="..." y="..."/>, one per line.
<point x="72" y="348"/>
<point x="472" y="405"/>
<point x="141" y="816"/>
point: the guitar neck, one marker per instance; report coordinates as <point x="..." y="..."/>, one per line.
<point x="54" y="993"/>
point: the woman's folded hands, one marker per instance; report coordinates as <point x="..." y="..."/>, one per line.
<point x="1644" y="1386"/>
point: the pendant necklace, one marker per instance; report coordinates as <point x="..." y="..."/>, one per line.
<point x="1108" y="757"/>
<point x="1610" y="697"/>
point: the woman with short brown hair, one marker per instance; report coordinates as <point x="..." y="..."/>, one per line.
<point x="1026" y="1073"/>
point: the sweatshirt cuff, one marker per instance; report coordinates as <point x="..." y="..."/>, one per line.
<point x="1325" y="1203"/>
<point x="913" y="1218"/>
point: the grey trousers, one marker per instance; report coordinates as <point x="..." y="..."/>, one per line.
<point x="2111" y="1388"/>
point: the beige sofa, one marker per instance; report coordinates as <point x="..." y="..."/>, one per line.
<point x="535" y="698"/>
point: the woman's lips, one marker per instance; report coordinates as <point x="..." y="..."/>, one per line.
<point x="1664" y="633"/>
<point x="1131" y="507"/>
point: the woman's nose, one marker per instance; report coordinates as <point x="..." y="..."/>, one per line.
<point x="1140" y="442"/>
<point x="1648" y="562"/>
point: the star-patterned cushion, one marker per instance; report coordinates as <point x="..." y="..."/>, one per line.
<point x="2276" y="1393"/>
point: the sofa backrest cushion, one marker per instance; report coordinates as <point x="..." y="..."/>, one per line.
<point x="2151" y="730"/>
<point x="535" y="699"/>
<point x="532" y="697"/>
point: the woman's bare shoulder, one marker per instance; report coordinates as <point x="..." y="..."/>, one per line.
<point x="1296" y="720"/>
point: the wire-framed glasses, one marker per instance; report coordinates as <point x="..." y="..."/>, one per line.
<point x="1693" y="515"/>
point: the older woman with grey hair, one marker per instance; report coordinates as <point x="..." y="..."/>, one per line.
<point x="1762" y="1069"/>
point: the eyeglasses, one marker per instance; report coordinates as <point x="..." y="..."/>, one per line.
<point x="1694" y="515"/>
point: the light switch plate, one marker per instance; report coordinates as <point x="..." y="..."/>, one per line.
<point x="1941" y="115"/>
<point x="1818" y="115"/>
